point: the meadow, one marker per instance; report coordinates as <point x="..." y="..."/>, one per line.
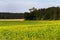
<point x="30" y="30"/>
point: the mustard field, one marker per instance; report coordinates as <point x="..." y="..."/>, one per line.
<point x="30" y="30"/>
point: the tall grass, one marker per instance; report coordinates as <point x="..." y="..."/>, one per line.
<point x="30" y="30"/>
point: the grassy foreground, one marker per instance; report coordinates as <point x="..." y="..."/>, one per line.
<point x="30" y="30"/>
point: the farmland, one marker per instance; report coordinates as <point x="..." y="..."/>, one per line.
<point x="30" y="30"/>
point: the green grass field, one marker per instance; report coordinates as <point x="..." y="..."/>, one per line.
<point x="30" y="30"/>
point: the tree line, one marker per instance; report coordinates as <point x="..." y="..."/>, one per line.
<point x="6" y="15"/>
<point x="51" y="13"/>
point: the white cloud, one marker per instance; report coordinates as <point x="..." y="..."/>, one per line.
<point x="16" y="6"/>
<point x="24" y="5"/>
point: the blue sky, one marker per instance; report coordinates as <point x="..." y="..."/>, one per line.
<point x="24" y="5"/>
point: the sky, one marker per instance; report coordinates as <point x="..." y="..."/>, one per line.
<point x="24" y="5"/>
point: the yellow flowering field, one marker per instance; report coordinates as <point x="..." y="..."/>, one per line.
<point x="30" y="30"/>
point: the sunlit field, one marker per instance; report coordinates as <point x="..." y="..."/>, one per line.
<point x="30" y="30"/>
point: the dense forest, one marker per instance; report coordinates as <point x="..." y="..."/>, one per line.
<point x="51" y="13"/>
<point x="6" y="15"/>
